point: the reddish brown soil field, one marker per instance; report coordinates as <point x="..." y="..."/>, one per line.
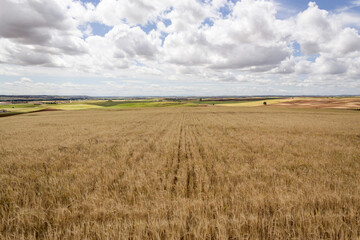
<point x="345" y="103"/>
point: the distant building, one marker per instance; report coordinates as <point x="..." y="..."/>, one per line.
<point x="37" y="103"/>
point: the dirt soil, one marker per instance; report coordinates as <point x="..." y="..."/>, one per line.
<point x="342" y="103"/>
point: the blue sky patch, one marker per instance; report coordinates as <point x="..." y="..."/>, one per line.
<point x="225" y="11"/>
<point x="208" y="21"/>
<point x="167" y="22"/>
<point x="329" y="5"/>
<point x="298" y="53"/>
<point x="297" y="49"/>
<point x="100" y="29"/>
<point x="148" y="27"/>
<point x="95" y="2"/>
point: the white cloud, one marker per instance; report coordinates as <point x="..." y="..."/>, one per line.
<point x="249" y="37"/>
<point x="187" y="15"/>
<point x="313" y="29"/>
<point x="25" y="80"/>
<point x="114" y="12"/>
<point x="131" y="42"/>
<point x="318" y="32"/>
<point x="250" y="45"/>
<point x="336" y="45"/>
<point x="35" y="32"/>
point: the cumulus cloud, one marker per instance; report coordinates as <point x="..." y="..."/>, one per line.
<point x="35" y="32"/>
<point x="215" y="40"/>
<point x="249" y="37"/>
<point x="30" y="21"/>
<point x="25" y="80"/>
<point x="313" y="29"/>
<point x="336" y="45"/>
<point x="132" y="42"/>
<point x="317" y="32"/>
<point x="113" y="12"/>
<point x="27" y="86"/>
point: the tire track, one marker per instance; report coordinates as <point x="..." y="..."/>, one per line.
<point x="189" y="159"/>
<point x="184" y="170"/>
<point x="178" y="156"/>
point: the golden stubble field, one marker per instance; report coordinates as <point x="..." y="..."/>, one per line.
<point x="181" y="173"/>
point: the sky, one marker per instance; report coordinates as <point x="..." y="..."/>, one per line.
<point x="179" y="48"/>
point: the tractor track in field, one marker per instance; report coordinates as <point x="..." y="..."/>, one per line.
<point x="190" y="173"/>
<point x="178" y="155"/>
<point x="184" y="166"/>
<point x="190" y="157"/>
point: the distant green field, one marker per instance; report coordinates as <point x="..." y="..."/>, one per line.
<point x="139" y="104"/>
<point x="104" y="104"/>
<point x="26" y="105"/>
<point x="19" y="108"/>
<point x="82" y="105"/>
<point x="213" y="102"/>
<point x="72" y="106"/>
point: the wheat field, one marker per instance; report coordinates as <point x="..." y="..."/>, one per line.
<point x="181" y="173"/>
